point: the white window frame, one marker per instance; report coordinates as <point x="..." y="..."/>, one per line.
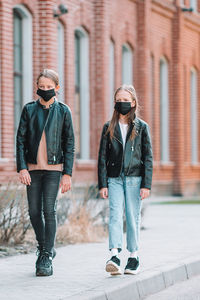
<point x="61" y="61"/>
<point x="112" y="76"/>
<point x="127" y="64"/>
<point x="194" y="5"/>
<point x="164" y="111"/>
<point x="27" y="48"/>
<point x="193" y="115"/>
<point x="84" y="95"/>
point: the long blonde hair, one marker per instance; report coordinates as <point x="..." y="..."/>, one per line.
<point x="131" y="115"/>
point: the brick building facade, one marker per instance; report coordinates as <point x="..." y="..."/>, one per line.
<point x="95" y="47"/>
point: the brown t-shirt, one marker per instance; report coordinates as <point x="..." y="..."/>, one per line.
<point x="42" y="162"/>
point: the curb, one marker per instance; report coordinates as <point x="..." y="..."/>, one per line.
<point x="143" y="284"/>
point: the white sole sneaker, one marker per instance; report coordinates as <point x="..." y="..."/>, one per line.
<point x="119" y="272"/>
<point x="113" y="268"/>
<point x="132" y="272"/>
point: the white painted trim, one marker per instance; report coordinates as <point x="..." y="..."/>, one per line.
<point x="27" y="53"/>
<point x="127" y="64"/>
<point x="112" y="76"/>
<point x="193" y="116"/>
<point x="61" y="61"/>
<point x="84" y="94"/>
<point x="193" y="4"/>
<point x="164" y="111"/>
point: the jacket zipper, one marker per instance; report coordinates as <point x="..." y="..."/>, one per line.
<point x="41" y="135"/>
<point x="54" y="157"/>
<point x="122" y="154"/>
<point x="132" y="149"/>
<point x="44" y="129"/>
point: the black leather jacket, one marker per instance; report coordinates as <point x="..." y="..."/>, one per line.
<point x="136" y="159"/>
<point x="57" y="123"/>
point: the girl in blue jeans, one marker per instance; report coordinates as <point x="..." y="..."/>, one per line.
<point x="125" y="167"/>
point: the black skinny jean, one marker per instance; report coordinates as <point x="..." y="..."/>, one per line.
<point x="42" y="203"/>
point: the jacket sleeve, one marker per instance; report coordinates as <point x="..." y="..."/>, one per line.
<point x="21" y="141"/>
<point x="147" y="158"/>
<point x="102" y="159"/>
<point x="68" y="144"/>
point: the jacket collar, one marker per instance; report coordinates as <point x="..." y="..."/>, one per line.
<point x="43" y="106"/>
<point x="136" y="124"/>
<point x="117" y="131"/>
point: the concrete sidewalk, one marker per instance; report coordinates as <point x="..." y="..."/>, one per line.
<point x="169" y="252"/>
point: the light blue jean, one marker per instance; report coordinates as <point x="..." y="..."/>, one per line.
<point x="124" y="191"/>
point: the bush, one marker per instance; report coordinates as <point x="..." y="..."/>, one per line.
<point x="86" y="216"/>
<point x="81" y="216"/>
<point x="14" y="219"/>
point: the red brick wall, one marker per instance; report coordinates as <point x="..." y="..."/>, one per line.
<point x="155" y="28"/>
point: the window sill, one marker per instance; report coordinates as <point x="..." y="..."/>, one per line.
<point x="6" y="162"/>
<point x="164" y="165"/>
<point x="85" y="164"/>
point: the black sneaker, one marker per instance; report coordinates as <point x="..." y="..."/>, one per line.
<point x="44" y="264"/>
<point x="40" y="251"/>
<point x="132" y="266"/>
<point x="54" y="253"/>
<point x="113" y="266"/>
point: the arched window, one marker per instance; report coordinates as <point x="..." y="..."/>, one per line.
<point x="127" y="65"/>
<point x="61" y="61"/>
<point x="193" y="116"/>
<point x="164" y="111"/>
<point x="82" y="101"/>
<point x="23" y="79"/>
<point x="112" y="75"/>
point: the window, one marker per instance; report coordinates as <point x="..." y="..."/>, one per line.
<point x="193" y="4"/>
<point x="61" y="62"/>
<point x="151" y="102"/>
<point x="193" y="116"/>
<point x="182" y="2"/>
<point x="18" y="93"/>
<point x="127" y="65"/>
<point x="82" y="101"/>
<point x="164" y="111"/>
<point x="23" y="80"/>
<point x="112" y="75"/>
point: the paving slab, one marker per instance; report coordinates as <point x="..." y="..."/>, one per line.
<point x="169" y="253"/>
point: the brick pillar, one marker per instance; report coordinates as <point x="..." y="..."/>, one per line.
<point x="101" y="41"/>
<point x="177" y="104"/>
<point x="143" y="58"/>
<point x="6" y="80"/>
<point x="47" y="34"/>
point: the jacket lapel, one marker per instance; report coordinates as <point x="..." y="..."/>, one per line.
<point x="117" y="133"/>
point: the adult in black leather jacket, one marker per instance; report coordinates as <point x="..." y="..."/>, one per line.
<point x="125" y="168"/>
<point x="45" y="154"/>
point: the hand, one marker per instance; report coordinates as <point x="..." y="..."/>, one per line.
<point x="65" y="183"/>
<point x="144" y="193"/>
<point x="25" y="177"/>
<point x="104" y="193"/>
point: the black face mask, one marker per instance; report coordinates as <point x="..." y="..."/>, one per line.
<point x="46" y="95"/>
<point x="123" y="107"/>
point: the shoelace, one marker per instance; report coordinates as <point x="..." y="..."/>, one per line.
<point x="45" y="258"/>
